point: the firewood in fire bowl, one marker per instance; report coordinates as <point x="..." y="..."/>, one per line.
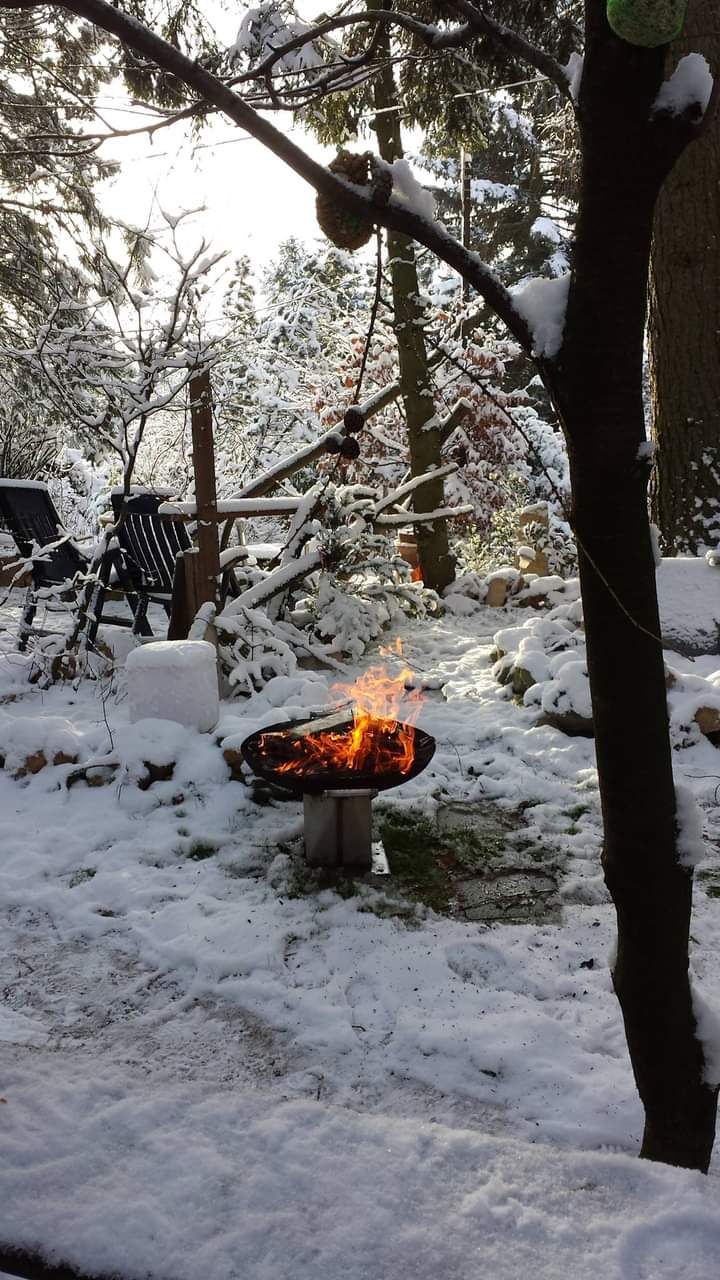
<point x="346" y="750"/>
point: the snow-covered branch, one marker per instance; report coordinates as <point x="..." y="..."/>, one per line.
<point x="399" y="215"/>
<point x="512" y="42"/>
<point x="424" y="517"/>
<point x="404" y="490"/>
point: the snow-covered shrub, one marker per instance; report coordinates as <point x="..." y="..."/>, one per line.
<point x="465" y="594"/>
<point x="480" y="550"/>
<point x="339" y="584"/>
<point x="346" y="620"/>
<point x="563" y="694"/>
<point x="252" y="649"/>
<point x="543" y="661"/>
<point x="80" y="488"/>
<point x="525" y="653"/>
<point x="348" y="615"/>
<point x="328" y="618"/>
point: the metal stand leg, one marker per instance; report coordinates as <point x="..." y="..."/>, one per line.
<point x="95" y="612"/>
<point x="338" y="830"/>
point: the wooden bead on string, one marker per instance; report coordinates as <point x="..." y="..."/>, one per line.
<point x="354" y="419"/>
<point x="350" y="448"/>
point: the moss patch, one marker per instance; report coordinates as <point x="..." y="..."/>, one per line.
<point x="470" y="862"/>
<point x="201" y="849"/>
<point x="415" y="853"/>
<point x="80" y="876"/>
<point x="426" y="862"/>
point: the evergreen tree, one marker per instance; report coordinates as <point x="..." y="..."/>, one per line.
<point x="286" y="340"/>
<point x="48" y="176"/>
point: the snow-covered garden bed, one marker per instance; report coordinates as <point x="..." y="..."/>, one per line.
<point x="201" y="1047"/>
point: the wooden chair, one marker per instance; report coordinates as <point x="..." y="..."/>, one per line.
<point x="149" y="547"/>
<point x="153" y="549"/>
<point x="56" y="564"/>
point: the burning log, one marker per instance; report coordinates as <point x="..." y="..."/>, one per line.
<point x="363" y="755"/>
<point x="359" y="746"/>
<point x="340" y="721"/>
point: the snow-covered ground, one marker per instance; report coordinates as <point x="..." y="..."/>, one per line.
<point x="210" y="1071"/>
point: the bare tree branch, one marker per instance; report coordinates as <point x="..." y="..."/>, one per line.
<point x="430" y="35"/>
<point x="396" y="215"/>
<point x="512" y="42"/>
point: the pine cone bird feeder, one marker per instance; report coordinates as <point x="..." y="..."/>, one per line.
<point x="346" y="229"/>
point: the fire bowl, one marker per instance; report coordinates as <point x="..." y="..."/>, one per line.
<point x="318" y="778"/>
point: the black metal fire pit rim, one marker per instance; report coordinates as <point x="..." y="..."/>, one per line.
<point x="335" y="780"/>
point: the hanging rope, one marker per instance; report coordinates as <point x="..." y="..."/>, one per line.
<point x="373" y="313"/>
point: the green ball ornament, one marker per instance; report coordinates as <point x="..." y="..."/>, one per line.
<point x="648" y="23"/>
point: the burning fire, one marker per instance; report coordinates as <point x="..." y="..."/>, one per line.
<point x="367" y="738"/>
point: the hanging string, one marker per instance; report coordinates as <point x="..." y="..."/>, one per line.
<point x="373" y="314"/>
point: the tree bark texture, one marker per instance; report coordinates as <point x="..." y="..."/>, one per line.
<point x="598" y="390"/>
<point x="465" y="210"/>
<point x="424" y="439"/>
<point x="684" y="324"/>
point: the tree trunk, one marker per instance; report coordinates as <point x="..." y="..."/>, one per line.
<point x="598" y="390"/>
<point x="424" y="442"/>
<point x="684" y="325"/>
<point x="465" y="210"/>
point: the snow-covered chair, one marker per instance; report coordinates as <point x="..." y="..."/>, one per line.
<point x="56" y="564"/>
<point x="150" y="545"/>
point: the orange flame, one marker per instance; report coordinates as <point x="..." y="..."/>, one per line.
<point x="372" y="741"/>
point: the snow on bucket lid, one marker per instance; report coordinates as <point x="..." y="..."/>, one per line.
<point x="171" y="653"/>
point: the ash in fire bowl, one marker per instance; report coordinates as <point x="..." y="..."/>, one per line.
<point x="345" y="751"/>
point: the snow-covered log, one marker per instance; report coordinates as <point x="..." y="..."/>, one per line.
<point x="423" y="517"/>
<point x="234" y="507"/>
<point x="409" y="486"/>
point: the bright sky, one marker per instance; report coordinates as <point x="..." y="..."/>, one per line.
<point x="252" y="200"/>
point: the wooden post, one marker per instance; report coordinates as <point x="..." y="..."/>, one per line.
<point x="203" y="448"/>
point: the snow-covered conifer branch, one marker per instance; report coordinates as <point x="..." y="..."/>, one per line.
<point x="431" y="36"/>
<point x="480" y="23"/>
